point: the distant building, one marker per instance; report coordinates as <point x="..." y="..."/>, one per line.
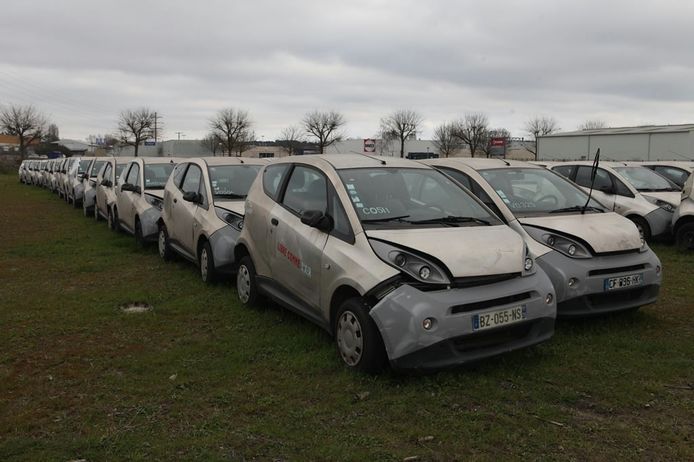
<point x="196" y="148"/>
<point x="648" y="142"/>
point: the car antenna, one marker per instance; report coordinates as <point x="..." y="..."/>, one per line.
<point x="506" y="162"/>
<point x="593" y="173"/>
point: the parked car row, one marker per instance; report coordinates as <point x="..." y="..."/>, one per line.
<point x="414" y="264"/>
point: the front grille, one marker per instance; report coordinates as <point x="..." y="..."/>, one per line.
<point x="491" y="338"/>
<point x="621" y="269"/>
<point x="474" y="281"/>
<point x="619" y="296"/>
<point x="490" y="303"/>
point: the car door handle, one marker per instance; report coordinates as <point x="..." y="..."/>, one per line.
<point x="274" y="222"/>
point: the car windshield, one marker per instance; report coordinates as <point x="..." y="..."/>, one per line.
<point x="232" y="181"/>
<point x="156" y="175"/>
<point x="644" y="179"/>
<point x="83" y="166"/>
<point x="537" y="191"/>
<point x="411" y="197"/>
<point x="96" y="167"/>
<point x="119" y="169"/>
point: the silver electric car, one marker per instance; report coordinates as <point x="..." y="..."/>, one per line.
<point x="683" y="218"/>
<point x="106" y="182"/>
<point x="650" y="208"/>
<point x="203" y="211"/>
<point x="595" y="258"/>
<point x="676" y="171"/>
<point x="139" y="196"/>
<point x="393" y="258"/>
<point x="74" y="185"/>
<point x="89" y="185"/>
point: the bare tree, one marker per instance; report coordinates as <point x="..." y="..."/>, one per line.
<point x="136" y="126"/>
<point x="494" y="133"/>
<point x="24" y="122"/>
<point x="291" y="138"/>
<point x="539" y="126"/>
<point x="401" y="125"/>
<point x="324" y="126"/>
<point x="232" y="127"/>
<point x="446" y="139"/>
<point x="52" y="134"/>
<point x="472" y="131"/>
<point x="593" y="124"/>
<point x="245" y="142"/>
<point x="212" y="143"/>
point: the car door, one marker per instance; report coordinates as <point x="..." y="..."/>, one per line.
<point x="126" y="199"/>
<point x="100" y="201"/>
<point x="184" y="223"/>
<point x="603" y="189"/>
<point x="298" y="248"/>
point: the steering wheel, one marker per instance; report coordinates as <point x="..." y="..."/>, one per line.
<point x="548" y="198"/>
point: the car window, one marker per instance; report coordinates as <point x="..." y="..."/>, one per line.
<point x="232" y="181"/>
<point x="563" y="170"/>
<point x="644" y="179"/>
<point x="156" y="175"/>
<point x="119" y="170"/>
<point x="191" y="182"/>
<point x="133" y="175"/>
<point x="476" y="189"/>
<point x="307" y="189"/>
<point x="178" y="174"/>
<point x="272" y="178"/>
<point x="341" y="226"/>
<point x="458" y="176"/>
<point x="107" y="172"/>
<point x="620" y="188"/>
<point x="83" y="166"/>
<point x="676" y="175"/>
<point x="602" y="178"/>
<point x="96" y="166"/>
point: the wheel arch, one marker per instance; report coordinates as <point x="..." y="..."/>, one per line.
<point x="342" y="293"/>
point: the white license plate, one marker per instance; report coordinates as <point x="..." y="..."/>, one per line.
<point x="622" y="282"/>
<point x="499" y="318"/>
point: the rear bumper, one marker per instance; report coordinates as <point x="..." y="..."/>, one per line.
<point x="588" y="296"/>
<point x="453" y="339"/>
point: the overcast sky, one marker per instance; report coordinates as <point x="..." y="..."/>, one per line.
<point x="83" y="61"/>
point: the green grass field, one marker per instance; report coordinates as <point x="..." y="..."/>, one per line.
<point x="201" y="378"/>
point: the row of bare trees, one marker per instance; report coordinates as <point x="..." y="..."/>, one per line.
<point x="231" y="130"/>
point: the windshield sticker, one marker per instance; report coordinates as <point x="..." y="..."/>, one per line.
<point x="523" y="205"/>
<point x="294" y="260"/>
<point x="501" y="193"/>
<point x="352" y="191"/>
<point x="350" y="186"/>
<point x="359" y="205"/>
<point x="356" y="199"/>
<point x="375" y="210"/>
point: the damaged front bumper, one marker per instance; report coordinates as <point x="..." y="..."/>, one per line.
<point x="453" y="338"/>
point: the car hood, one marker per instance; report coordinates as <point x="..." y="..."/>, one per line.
<point x="671" y="197"/>
<point x="604" y="232"/>
<point x="466" y="251"/>
<point x="237" y="206"/>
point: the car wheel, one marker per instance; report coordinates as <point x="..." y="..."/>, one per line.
<point x="357" y="337"/>
<point x="206" y="261"/>
<point x="246" y="285"/>
<point x="139" y="238"/>
<point x="642" y="226"/>
<point x="685" y="237"/>
<point x="163" y="244"/>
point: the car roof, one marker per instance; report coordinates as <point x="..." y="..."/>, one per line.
<point x="345" y="161"/>
<point x="229" y="160"/>
<point x="480" y="163"/>
<point x="158" y="160"/>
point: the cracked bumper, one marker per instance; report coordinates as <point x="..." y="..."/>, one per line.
<point x="660" y="221"/>
<point x="453" y="340"/>
<point x="223" y="242"/>
<point x="588" y="295"/>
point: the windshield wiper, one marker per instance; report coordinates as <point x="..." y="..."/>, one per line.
<point x="230" y="196"/>
<point x="385" y="219"/>
<point x="155" y="187"/>
<point x="450" y="219"/>
<point x="577" y="208"/>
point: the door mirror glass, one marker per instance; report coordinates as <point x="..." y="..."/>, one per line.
<point x="317" y="219"/>
<point x="127" y="187"/>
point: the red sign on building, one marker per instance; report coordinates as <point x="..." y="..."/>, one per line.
<point x="369" y="145"/>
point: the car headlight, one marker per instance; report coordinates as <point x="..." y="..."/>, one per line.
<point x="233" y="219"/>
<point x="562" y="244"/>
<point x="668" y="207"/>
<point x="528" y="262"/>
<point x="154" y="201"/>
<point x="410" y="263"/>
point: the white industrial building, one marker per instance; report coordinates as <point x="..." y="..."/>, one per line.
<point x="650" y="142"/>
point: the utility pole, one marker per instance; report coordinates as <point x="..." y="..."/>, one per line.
<point x="156" y="127"/>
<point x="179" y="135"/>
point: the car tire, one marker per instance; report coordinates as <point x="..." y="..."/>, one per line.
<point x="208" y="274"/>
<point x="642" y="226"/>
<point x="139" y="238"/>
<point x="246" y="284"/>
<point x="357" y="338"/>
<point x="163" y="246"/>
<point x="685" y="236"/>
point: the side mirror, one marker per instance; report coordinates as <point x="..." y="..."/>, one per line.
<point x="106" y="183"/>
<point x="191" y="196"/>
<point x="137" y="190"/>
<point x="317" y="219"/>
<point x="127" y="187"/>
